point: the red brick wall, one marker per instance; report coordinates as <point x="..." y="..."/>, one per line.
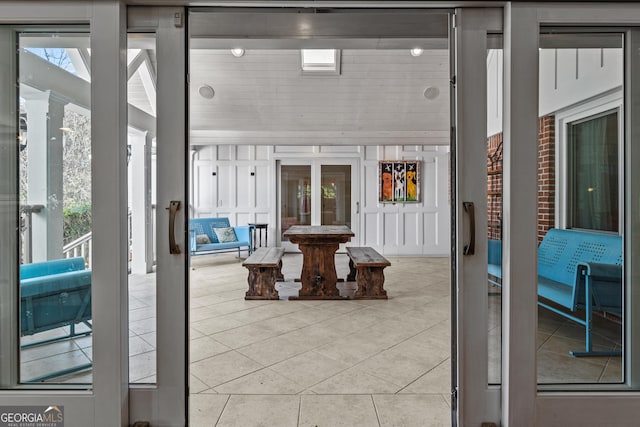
<point x="494" y="186"/>
<point x="546" y="179"/>
<point x="546" y="175"/>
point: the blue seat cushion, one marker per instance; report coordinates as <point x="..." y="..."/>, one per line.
<point x="218" y="246"/>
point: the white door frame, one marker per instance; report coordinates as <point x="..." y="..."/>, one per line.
<point x="165" y="403"/>
<point x="107" y="401"/>
<point x="316" y="167"/>
<point x="477" y="402"/>
<point x="521" y="392"/>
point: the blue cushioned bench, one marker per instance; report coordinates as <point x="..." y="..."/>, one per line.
<point x="54" y="294"/>
<point x="207" y="226"/>
<point x="572" y="264"/>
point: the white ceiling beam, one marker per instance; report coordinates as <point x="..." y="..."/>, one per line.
<point x="81" y="63"/>
<point x="142" y="64"/>
<point x="38" y="74"/>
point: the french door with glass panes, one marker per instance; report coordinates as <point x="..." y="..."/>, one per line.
<point x="65" y="149"/>
<point x="318" y="192"/>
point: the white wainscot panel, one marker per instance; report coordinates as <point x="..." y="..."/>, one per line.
<point x="391" y="152"/>
<point x="371" y="229"/>
<point x="431" y="232"/>
<point x="294" y="148"/>
<point x="244" y="186"/>
<point x="371" y="152"/>
<point x="225" y="152"/>
<point x="226" y="177"/>
<point x="263" y="152"/>
<point x="430" y="148"/>
<point x="243" y="218"/>
<point x="370" y="185"/>
<point x="207" y="153"/>
<point x="411" y="148"/>
<point x="339" y="149"/>
<point x="412" y="229"/>
<point x="262" y="187"/>
<point x="429" y="182"/>
<point x="205" y="183"/>
<point x="243" y="152"/>
<point x="391" y="229"/>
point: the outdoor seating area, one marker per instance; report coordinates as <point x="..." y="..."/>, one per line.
<point x="215" y="235"/>
<point x="576" y="270"/>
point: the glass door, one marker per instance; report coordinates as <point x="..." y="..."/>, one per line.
<point x="317" y="193"/>
<point x="63" y="334"/>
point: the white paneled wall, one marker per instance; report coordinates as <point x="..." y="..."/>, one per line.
<point x="393" y="229"/>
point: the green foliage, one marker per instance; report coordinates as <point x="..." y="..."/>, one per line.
<point x="77" y="222"/>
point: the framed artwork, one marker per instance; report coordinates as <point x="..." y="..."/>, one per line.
<point x="399" y="181"/>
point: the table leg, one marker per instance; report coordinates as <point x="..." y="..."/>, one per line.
<point x="319" y="275"/>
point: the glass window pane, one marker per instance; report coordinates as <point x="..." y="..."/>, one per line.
<point x="295" y="196"/>
<point x="55" y="208"/>
<point x="336" y="195"/>
<point x="494" y="206"/>
<point x="594" y="175"/>
<point x="580" y="272"/>
<point x="141" y="171"/>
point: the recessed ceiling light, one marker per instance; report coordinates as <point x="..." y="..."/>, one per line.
<point x="416" y="51"/>
<point x="431" y="92"/>
<point x="206" y="91"/>
<point x="237" y="52"/>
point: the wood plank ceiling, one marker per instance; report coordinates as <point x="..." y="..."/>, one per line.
<point x="263" y="98"/>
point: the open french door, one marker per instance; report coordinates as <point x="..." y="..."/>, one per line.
<point x="48" y="100"/>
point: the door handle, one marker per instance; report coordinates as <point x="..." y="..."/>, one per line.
<point x="357" y="207"/>
<point x="174" y="207"/>
<point x="470" y="210"/>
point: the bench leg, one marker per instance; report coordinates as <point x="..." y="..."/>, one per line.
<point x="262" y="283"/>
<point x="352" y="271"/>
<point x="588" y="327"/>
<point x="279" y="275"/>
<point x="370" y="283"/>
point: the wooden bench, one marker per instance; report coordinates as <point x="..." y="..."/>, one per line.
<point x="572" y="264"/>
<point x="265" y="268"/>
<point x="366" y="268"/>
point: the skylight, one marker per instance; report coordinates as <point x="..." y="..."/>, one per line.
<point x="320" y="61"/>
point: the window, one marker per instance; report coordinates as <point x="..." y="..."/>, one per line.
<point x="593" y="173"/>
<point x="320" y="61"/>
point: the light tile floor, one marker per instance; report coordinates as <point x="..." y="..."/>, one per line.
<point x="320" y="363"/>
<point x="323" y="363"/>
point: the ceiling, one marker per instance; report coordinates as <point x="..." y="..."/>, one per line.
<point x="380" y="97"/>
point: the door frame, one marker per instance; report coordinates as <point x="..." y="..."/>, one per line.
<point x="165" y="403"/>
<point x="316" y="168"/>
<point x="107" y="399"/>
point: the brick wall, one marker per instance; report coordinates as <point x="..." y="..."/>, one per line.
<point x="546" y="175"/>
<point x="494" y="186"/>
<point x="546" y="179"/>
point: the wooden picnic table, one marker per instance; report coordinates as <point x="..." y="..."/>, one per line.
<point x="319" y="244"/>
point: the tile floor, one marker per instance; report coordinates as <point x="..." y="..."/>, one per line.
<point x="323" y="363"/>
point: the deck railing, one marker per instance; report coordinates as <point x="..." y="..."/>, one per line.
<point x="80" y="247"/>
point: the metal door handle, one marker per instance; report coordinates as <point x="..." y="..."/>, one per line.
<point x="470" y="209"/>
<point x="174" y="207"/>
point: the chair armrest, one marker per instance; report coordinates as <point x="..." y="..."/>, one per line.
<point x="242" y="233"/>
<point x="607" y="272"/>
<point x="192" y="239"/>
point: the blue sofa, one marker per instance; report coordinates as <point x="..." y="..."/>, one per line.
<point x="200" y="227"/>
<point x="54" y="294"/>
